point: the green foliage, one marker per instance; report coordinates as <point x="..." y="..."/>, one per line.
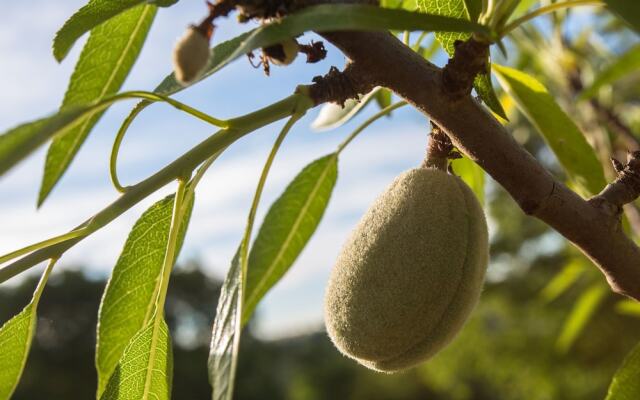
<point x="457" y="9"/>
<point x="15" y="340"/>
<point x="625" y="384"/>
<point x="104" y="64"/>
<point x="287" y="227"/>
<point x="472" y="175"/>
<point x="625" y="64"/>
<point x="225" y="337"/>
<point x="628" y="11"/>
<point x="129" y="300"/>
<point x="562" y="135"/>
<point x="584" y="309"/>
<point x="145" y="370"/>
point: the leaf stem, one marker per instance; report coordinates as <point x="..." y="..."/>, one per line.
<point x="115" y="149"/>
<point x="43" y="281"/>
<point x="365" y="124"/>
<point x="545" y="10"/>
<point x="45" y="243"/>
<point x="172" y="244"/>
<point x="176" y="169"/>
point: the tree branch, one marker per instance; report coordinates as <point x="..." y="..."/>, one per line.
<point x="589" y="225"/>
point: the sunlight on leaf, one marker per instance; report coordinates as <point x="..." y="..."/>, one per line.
<point x="471" y="174"/>
<point x="15" y="340"/>
<point x="129" y="299"/>
<point x="626" y="382"/>
<point x="562" y="135"/>
<point x="145" y="370"/>
<point x="585" y="307"/>
<point x="102" y="68"/>
<point x="287" y="227"/>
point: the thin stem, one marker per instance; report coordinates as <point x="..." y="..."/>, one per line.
<point x="418" y="42"/>
<point x="115" y="150"/>
<point x="177" y="169"/>
<point x="45" y="243"/>
<point x="43" y="281"/>
<point x="172" y="243"/>
<point x="405" y="37"/>
<point x="244" y="246"/>
<point x="545" y="10"/>
<point x="368" y="122"/>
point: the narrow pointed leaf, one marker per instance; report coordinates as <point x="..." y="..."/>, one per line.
<point x="585" y="307"/>
<point x="561" y="134"/>
<point x="472" y="175"/>
<point x="473" y="8"/>
<point x="628" y="307"/>
<point x="15" y="342"/>
<point x="626" y="382"/>
<point x="16" y="336"/>
<point x="105" y="62"/>
<point x="128" y="302"/>
<point x="563" y="280"/>
<point x="287" y="227"/>
<point x="627" y="63"/>
<point x="457" y="9"/>
<point x="85" y="19"/>
<point x="626" y="10"/>
<point x="225" y="338"/>
<point x="145" y="369"/>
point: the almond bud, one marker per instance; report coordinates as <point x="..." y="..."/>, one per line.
<point x="190" y="55"/>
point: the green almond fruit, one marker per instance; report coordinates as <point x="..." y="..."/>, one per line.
<point x="410" y="274"/>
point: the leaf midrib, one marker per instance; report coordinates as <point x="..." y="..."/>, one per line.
<point x="66" y="157"/>
<point x="291" y="233"/>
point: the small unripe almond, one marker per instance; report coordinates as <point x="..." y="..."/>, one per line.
<point x="410" y="273"/>
<point x="283" y="53"/>
<point x="190" y="55"/>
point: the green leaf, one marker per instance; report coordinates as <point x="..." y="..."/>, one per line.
<point x="472" y="175"/>
<point x="456" y="9"/>
<point x="585" y="307"/>
<point x="473" y="8"/>
<point x="383" y="98"/>
<point x="333" y="115"/>
<point x="15" y="340"/>
<point x="627" y="63"/>
<point x="145" y="370"/>
<point x="626" y="10"/>
<point x="129" y="300"/>
<point x="563" y="280"/>
<point x="225" y="338"/>
<point x="287" y="227"/>
<point x="104" y="64"/>
<point x="628" y="307"/>
<point x="85" y="19"/>
<point x="561" y="134"/>
<point x="626" y="382"/>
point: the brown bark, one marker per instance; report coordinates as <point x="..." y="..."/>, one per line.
<point x="593" y="226"/>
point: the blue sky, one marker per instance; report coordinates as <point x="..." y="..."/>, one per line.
<point x="33" y="85"/>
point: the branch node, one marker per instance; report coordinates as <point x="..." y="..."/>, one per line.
<point x="469" y="59"/>
<point x="439" y="150"/>
<point x="338" y="86"/>
<point x="625" y="189"/>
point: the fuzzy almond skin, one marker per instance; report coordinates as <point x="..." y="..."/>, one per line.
<point x="410" y="274"/>
<point x="190" y="56"/>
